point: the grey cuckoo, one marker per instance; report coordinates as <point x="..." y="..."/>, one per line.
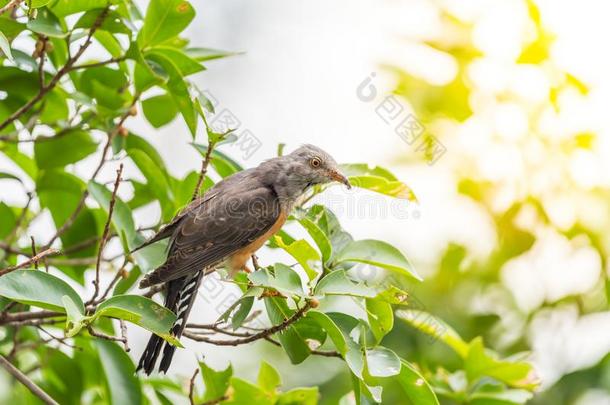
<point x="225" y="227"/>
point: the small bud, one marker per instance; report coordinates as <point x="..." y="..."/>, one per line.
<point x="124" y="273"/>
<point x="48" y="47"/>
<point x="133" y="111"/>
<point x="314" y="303"/>
<point x="123" y="132"/>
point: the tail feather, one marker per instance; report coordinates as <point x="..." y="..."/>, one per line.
<point x="185" y="305"/>
<point x="181" y="294"/>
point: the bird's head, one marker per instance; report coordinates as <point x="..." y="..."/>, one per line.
<point x="314" y="166"/>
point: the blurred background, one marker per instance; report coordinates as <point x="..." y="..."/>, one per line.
<point x="495" y="112"/>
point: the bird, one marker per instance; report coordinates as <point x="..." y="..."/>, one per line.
<point x="225" y="227"/>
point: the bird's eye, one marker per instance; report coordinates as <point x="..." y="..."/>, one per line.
<point x="315" y="162"/>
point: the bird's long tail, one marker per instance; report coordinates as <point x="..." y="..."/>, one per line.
<point x="181" y="294"/>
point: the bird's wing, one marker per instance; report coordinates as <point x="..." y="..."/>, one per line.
<point x="169" y="229"/>
<point x="220" y="227"/>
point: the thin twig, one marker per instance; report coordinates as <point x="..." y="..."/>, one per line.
<point x="101" y="335"/>
<point x="12" y="317"/>
<point x="25" y="380"/>
<point x="31" y="260"/>
<point x="123" y="326"/>
<point x="61" y="73"/>
<point x="261" y="335"/>
<point x="192" y="387"/>
<point x="96" y="282"/>
<point x="117" y="277"/>
<point x="34" y="251"/>
<point x="9" y="6"/>
<point x="43" y="41"/>
<point x="102" y="63"/>
<point x="204" y="169"/>
<point x="81" y="204"/>
<point x="215" y="401"/>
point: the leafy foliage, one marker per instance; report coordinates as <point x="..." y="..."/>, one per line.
<point x="72" y="108"/>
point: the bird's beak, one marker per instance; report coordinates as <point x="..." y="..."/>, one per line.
<point x="336" y="176"/>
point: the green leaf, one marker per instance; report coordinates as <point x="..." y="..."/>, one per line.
<point x="299" y="396"/>
<point x="157" y="181"/>
<point x="75" y="319"/>
<point x="179" y="91"/>
<point x="121" y="382"/>
<point x="380" y="316"/>
<point x="268" y="378"/>
<point x="382" y="362"/>
<point x="377" y="179"/>
<point x="39" y="289"/>
<point x="164" y="20"/>
<point x="290" y="339"/>
<point x="159" y="110"/>
<point x="317" y="234"/>
<point x="204" y="54"/>
<point x="126" y="283"/>
<point x="504" y="397"/>
<point x="62" y="8"/>
<point x="246" y="393"/>
<point x="283" y="278"/>
<point x="121" y="217"/>
<point x="112" y="23"/>
<point x="377" y="253"/>
<point x="435" y="328"/>
<point x="415" y="386"/>
<point x="223" y="164"/>
<point x="185" y="64"/>
<point x="480" y="362"/>
<point x="46" y="24"/>
<point x="337" y="283"/>
<point x="5" y="46"/>
<point x="304" y="253"/>
<point x="141" y="311"/>
<point x="59" y="151"/>
<point x="216" y="382"/>
<point x="9" y="220"/>
<point x="331" y="329"/>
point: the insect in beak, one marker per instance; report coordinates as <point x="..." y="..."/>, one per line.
<point x="336" y="176"/>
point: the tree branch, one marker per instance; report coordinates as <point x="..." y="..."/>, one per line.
<point x="9" y="6"/>
<point x="25" y="380"/>
<point x="61" y="73"/>
<point x="96" y="282"/>
<point x="31" y="260"/>
<point x="192" y="387"/>
<point x="261" y="335"/>
<point x="81" y="204"/>
<point x="102" y="63"/>
<point x="204" y="169"/>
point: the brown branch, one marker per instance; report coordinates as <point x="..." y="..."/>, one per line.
<point x="9" y="6"/>
<point x="102" y="63"/>
<point x="11" y="317"/>
<point x="81" y="204"/>
<point x="204" y="169"/>
<point x="31" y="260"/>
<point x="101" y="335"/>
<point x="215" y="401"/>
<point x="25" y="380"/>
<point x="96" y="282"/>
<point x="123" y="326"/>
<point x="192" y="387"/>
<point x="43" y="44"/>
<point x="34" y="251"/>
<point x="61" y="73"/>
<point x="261" y="335"/>
<point x="325" y="353"/>
<point x="119" y="274"/>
